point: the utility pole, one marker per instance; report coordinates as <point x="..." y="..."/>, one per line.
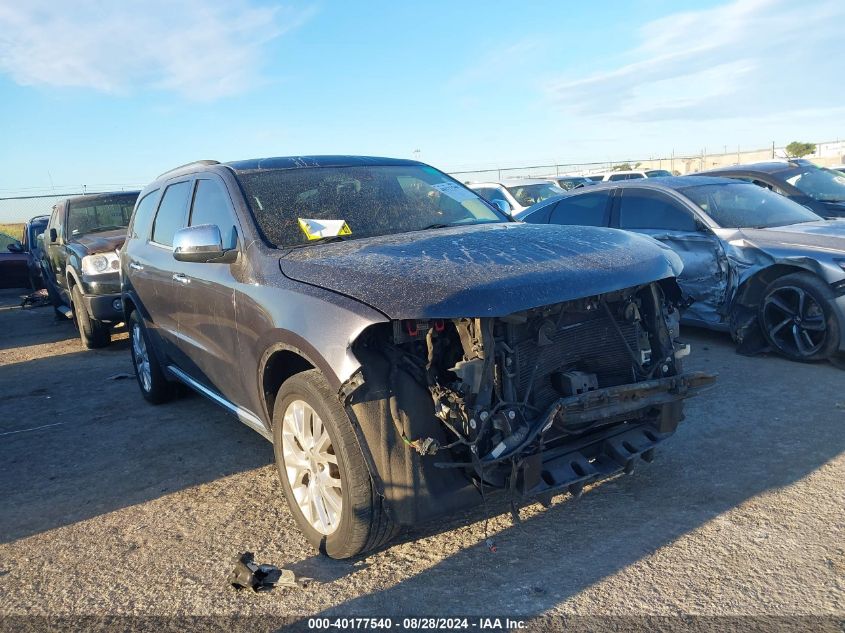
<point x="773" y="149"/>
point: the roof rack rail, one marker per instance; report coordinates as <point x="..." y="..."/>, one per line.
<point x="195" y="162"/>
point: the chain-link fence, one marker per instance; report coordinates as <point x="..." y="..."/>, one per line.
<point x="21" y="209"/>
<point x="675" y="164"/>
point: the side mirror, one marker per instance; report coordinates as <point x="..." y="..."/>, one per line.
<point x="15" y="247"/>
<point x="201" y="244"/>
<point x="53" y="235"/>
<point x="503" y="206"/>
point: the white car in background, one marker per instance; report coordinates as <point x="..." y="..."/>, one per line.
<point x="568" y="183"/>
<point x="629" y="174"/>
<point x="512" y="195"/>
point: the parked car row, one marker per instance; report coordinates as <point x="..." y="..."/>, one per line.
<point x="407" y="347"/>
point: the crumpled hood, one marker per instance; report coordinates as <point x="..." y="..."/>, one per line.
<point x="477" y="271"/>
<point x="825" y="234"/>
<point x="101" y="242"/>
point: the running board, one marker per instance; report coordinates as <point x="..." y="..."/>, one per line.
<point x="247" y="417"/>
<point x="65" y="311"/>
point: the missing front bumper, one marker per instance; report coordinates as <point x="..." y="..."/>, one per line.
<point x="612" y="402"/>
<point x="604" y="451"/>
<point x="612" y="453"/>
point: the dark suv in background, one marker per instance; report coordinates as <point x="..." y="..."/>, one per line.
<point x="404" y="344"/>
<point x="819" y="189"/>
<point x="79" y="261"/>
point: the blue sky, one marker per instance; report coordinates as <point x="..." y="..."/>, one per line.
<point x="105" y="93"/>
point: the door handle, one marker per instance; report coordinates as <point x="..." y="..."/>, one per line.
<point x="135" y="266"/>
<point x="181" y="278"/>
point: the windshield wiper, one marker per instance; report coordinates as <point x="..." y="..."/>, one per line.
<point x="319" y="240"/>
<point x="437" y="225"/>
<point x="441" y="225"/>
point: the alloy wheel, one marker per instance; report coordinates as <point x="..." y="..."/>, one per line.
<point x="311" y="467"/>
<point x="141" y="357"/>
<point x="794" y="321"/>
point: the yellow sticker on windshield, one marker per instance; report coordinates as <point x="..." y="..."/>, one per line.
<point x="315" y="229"/>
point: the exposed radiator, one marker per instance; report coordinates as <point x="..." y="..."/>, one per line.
<point x="586" y="342"/>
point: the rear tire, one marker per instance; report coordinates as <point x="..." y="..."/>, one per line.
<point x="798" y="318"/>
<point x="317" y="449"/>
<point x="93" y="333"/>
<point x="155" y="388"/>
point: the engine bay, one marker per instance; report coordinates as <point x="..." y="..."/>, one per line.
<point x="505" y="392"/>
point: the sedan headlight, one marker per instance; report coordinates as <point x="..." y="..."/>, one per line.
<point x="100" y="263"/>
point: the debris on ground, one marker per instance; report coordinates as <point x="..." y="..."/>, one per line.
<point x="248" y="573"/>
<point x="36" y="299"/>
<point x="121" y="376"/>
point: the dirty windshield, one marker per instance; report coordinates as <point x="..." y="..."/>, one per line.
<point x="301" y="206"/>
<point x="743" y="205"/>
<point x="101" y="214"/>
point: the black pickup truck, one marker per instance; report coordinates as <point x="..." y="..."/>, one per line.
<point x="80" y="263"/>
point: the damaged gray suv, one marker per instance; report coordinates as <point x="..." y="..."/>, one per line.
<point x="406" y="347"/>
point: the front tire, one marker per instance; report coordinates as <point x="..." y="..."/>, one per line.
<point x="324" y="476"/>
<point x="798" y="319"/>
<point x="93" y="333"/>
<point x="155" y="388"/>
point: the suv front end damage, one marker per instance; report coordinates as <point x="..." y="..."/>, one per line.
<point x="539" y="401"/>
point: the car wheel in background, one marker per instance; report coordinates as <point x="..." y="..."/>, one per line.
<point x="798" y="318"/>
<point x="92" y="332"/>
<point x="323" y="473"/>
<point x="154" y="386"/>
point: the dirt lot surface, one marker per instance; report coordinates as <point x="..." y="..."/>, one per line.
<point x="111" y="506"/>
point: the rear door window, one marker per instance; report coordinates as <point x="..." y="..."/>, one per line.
<point x="212" y="206"/>
<point x="171" y="212"/>
<point x="589" y="209"/>
<point x="644" y="209"/>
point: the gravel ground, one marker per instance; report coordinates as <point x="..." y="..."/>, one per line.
<point x="117" y="507"/>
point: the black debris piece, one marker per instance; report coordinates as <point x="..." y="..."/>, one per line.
<point x="247" y="573"/>
<point x="36" y="299"/>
